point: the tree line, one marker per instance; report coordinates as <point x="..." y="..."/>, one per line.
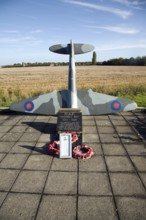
<point x="138" y="61"/>
<point x="45" y="64"/>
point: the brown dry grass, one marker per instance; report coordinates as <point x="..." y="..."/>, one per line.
<point x="27" y="81"/>
<point x="48" y="78"/>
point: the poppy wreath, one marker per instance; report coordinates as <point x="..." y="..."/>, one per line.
<point x="53" y="148"/>
<point x="79" y="152"/>
<point x="74" y="136"/>
<point x="83" y="152"/>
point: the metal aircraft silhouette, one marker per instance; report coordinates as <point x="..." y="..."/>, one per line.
<point x="89" y="102"/>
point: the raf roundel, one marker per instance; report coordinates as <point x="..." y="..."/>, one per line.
<point x="116" y="105"/>
<point x="29" y="106"/>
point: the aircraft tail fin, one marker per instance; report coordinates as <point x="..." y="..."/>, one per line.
<point x="66" y="48"/>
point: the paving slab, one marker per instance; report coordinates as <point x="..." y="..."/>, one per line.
<point x="109" y="138"/>
<point x="96" y="164"/>
<point x="7" y="178"/>
<point x="31" y="137"/>
<point x="18" y="128"/>
<point x="64" y="164"/>
<point x="104" y="123"/>
<point x="131" y="208"/>
<point x="119" y="122"/>
<point x="1" y="121"/>
<point x="91" y="129"/>
<point x="88" y="122"/>
<point x="140" y="162"/>
<point x="11" y="121"/>
<point x="119" y="163"/>
<point x="35" y="185"/>
<point x="96" y="208"/>
<point x="5" y="128"/>
<point x="44" y="138"/>
<point x="19" y="206"/>
<point x="88" y="117"/>
<point x="14" y="161"/>
<point x="30" y="182"/>
<point x="26" y="120"/>
<point x="6" y="146"/>
<point x="116" y="117"/>
<point x="2" y="134"/>
<point x="36" y="127"/>
<point x="57" y="208"/>
<point x="106" y="130"/>
<point x="136" y="149"/>
<point x="11" y="137"/>
<point x="124" y="129"/>
<point x="38" y="162"/>
<point x="94" y="184"/>
<point x="101" y="117"/>
<point x="4" y="117"/>
<point x="127" y="184"/>
<point x="2" y="197"/>
<point x="92" y="138"/>
<point x="113" y="149"/>
<point x="2" y="155"/>
<point x="61" y="183"/>
<point x="23" y="147"/>
<point x="143" y="177"/>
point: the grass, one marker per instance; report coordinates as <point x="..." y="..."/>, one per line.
<point x="137" y="94"/>
<point x="140" y="99"/>
<point x="21" y="83"/>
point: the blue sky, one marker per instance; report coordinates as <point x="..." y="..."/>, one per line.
<point x="117" y="28"/>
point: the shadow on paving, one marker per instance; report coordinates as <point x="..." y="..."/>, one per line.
<point x="40" y="150"/>
<point x="140" y="127"/>
<point x="43" y="127"/>
<point x="47" y="128"/>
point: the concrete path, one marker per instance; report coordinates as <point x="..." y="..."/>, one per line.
<point x="110" y="186"/>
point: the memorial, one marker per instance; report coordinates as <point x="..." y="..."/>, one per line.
<point x="69" y="122"/>
<point x="88" y="101"/>
<point x="70" y="105"/>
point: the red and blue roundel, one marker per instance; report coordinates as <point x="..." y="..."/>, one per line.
<point x="116" y="105"/>
<point x="29" y="106"/>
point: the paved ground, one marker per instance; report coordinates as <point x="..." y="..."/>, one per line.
<point x="111" y="185"/>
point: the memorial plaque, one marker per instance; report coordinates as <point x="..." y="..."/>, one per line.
<point x="70" y="120"/>
<point x="65" y="146"/>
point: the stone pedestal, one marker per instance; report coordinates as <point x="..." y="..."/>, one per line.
<point x="70" y="120"/>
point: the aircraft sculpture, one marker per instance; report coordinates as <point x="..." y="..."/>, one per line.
<point x="89" y="102"/>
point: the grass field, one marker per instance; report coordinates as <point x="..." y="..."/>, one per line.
<point x="25" y="82"/>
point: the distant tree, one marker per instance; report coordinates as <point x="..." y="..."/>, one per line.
<point x="131" y="61"/>
<point x="144" y="60"/>
<point x="94" y="58"/>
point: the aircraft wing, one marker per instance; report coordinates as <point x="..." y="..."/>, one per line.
<point x="93" y="103"/>
<point x="90" y="103"/>
<point x="46" y="104"/>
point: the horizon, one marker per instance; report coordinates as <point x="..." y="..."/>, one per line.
<point x="28" y="28"/>
<point x="77" y="62"/>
